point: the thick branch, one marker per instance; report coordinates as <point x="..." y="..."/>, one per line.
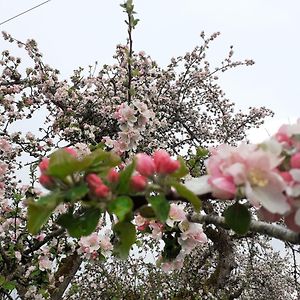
<point x="68" y="268"/>
<point x="271" y="230"/>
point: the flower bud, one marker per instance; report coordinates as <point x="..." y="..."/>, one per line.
<point x="93" y="180"/>
<point x="113" y="176"/>
<point x="101" y="191"/>
<point x="164" y="163"/>
<point x="46" y="181"/>
<point x="138" y="182"/>
<point x="145" y="165"/>
<point x="295" y="161"/>
<point x="43" y="165"/>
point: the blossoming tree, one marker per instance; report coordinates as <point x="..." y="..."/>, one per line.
<point x="98" y="192"/>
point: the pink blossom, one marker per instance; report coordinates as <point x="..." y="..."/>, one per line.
<point x="192" y="235"/>
<point x="45" y="263"/>
<point x="89" y="244"/>
<point x="5" y="146"/>
<point x="176" y="214"/>
<point x="251" y="169"/>
<point x="157" y="229"/>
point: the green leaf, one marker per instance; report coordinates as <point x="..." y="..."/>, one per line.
<point x="238" y="218"/>
<point x="62" y="164"/>
<point x="81" y="223"/>
<point x="76" y="192"/>
<point x="147" y="212"/>
<point x="187" y="194"/>
<point x="2" y="280"/>
<point x="160" y="205"/>
<point x="121" y="207"/>
<point x="39" y="211"/>
<point x="9" y="285"/>
<point x="201" y="152"/>
<point x="182" y="171"/>
<point x="125" y="176"/>
<point x="126" y="234"/>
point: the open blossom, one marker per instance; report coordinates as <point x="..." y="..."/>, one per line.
<point x="176" y="214"/>
<point x="45" y="263"/>
<point x="250" y="171"/>
<point x="192" y="235"/>
<point x="89" y="244"/>
<point x="5" y="146"/>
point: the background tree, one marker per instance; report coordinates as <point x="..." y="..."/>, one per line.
<point x="133" y="105"/>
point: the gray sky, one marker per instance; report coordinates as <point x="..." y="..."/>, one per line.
<point x="74" y="33"/>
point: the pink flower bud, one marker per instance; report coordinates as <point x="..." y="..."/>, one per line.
<point x="295" y="161"/>
<point x="46" y="181"/>
<point x="101" y="191"/>
<point x="164" y="163"/>
<point x="71" y="151"/>
<point x="113" y="176"/>
<point x="286" y="176"/>
<point x="283" y="138"/>
<point x="93" y="180"/>
<point x="43" y="165"/>
<point x="138" y="182"/>
<point x="145" y="165"/>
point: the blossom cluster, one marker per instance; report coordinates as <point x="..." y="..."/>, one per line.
<point x="267" y="174"/>
<point x="187" y="235"/>
<point x="132" y="121"/>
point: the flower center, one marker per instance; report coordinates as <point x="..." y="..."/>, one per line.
<point x="257" y="177"/>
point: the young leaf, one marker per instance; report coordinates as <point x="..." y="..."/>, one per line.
<point x="160" y="205"/>
<point x="81" y="223"/>
<point x="40" y="211"/>
<point x="76" y="192"/>
<point x="147" y="212"/>
<point x="125" y="176"/>
<point x="187" y="194"/>
<point x="238" y="218"/>
<point x="126" y="234"/>
<point x="62" y="164"/>
<point x="121" y="207"/>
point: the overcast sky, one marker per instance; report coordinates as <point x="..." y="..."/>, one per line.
<point x="74" y="33"/>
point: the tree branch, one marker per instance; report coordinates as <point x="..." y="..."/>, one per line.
<point x="271" y="230"/>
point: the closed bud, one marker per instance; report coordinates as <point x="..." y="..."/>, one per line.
<point x="43" y="165"/>
<point x="46" y="181"/>
<point x="138" y="182"/>
<point x="113" y="176"/>
<point x="145" y="165"/>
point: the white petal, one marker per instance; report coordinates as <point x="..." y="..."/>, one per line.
<point x="295" y="174"/>
<point x="270" y="198"/>
<point x="199" y="185"/>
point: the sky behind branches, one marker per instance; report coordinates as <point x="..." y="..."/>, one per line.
<point x="73" y="33"/>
